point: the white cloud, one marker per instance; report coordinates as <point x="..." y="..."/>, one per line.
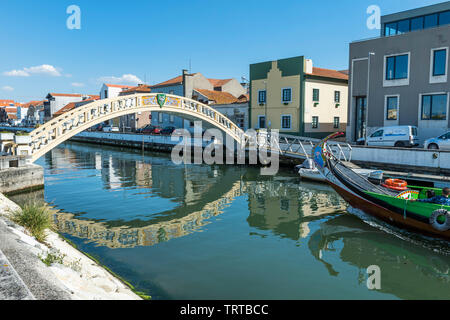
<point x="126" y="79"/>
<point x="16" y="73"/>
<point x="44" y="69"/>
<point x="77" y="84"/>
<point x="8" y="88"/>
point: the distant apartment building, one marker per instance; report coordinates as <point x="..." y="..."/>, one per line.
<point x="8" y="110"/>
<point x="401" y="78"/>
<point x="72" y="105"/>
<point x="55" y="101"/>
<point x="131" y="122"/>
<point x="34" y="111"/>
<point x="109" y="90"/>
<point x="294" y="97"/>
<point x="187" y="85"/>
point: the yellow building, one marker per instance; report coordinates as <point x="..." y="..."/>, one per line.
<point x="294" y="97"/>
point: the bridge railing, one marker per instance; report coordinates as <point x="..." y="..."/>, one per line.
<point x="289" y="145"/>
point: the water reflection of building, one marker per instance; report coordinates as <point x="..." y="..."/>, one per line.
<point x="362" y="245"/>
<point x="279" y="205"/>
<point x="126" y="237"/>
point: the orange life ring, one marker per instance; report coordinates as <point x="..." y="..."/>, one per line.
<point x="396" y="184"/>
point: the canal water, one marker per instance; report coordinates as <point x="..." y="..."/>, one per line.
<point x="225" y="232"/>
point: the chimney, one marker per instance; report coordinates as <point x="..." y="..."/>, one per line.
<point x="308" y="66"/>
<point x="184" y="72"/>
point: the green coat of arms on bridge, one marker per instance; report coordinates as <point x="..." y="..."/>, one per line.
<point x="161" y="99"/>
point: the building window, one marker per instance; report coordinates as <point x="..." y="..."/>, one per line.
<point x="336" y="123"/>
<point x="160" y="117"/>
<point x="444" y="18"/>
<point x="286" y="122"/>
<point x="262" y="96"/>
<point x="171" y="118"/>
<point x="171" y="92"/>
<point x="403" y="27"/>
<point x="316" y="95"/>
<point x="240" y="118"/>
<point x="390" y="29"/>
<point x="315" y="122"/>
<point x="397" y="67"/>
<point x="434" y="107"/>
<point x="431" y="21"/>
<point x="417" y="24"/>
<point x="261" y="122"/>
<point x="337" y="96"/>
<point x="391" y="108"/>
<point x="287" y="95"/>
<point x="439" y="62"/>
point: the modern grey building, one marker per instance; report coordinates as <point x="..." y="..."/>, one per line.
<point x="401" y="77"/>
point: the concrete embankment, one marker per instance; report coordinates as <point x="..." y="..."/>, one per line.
<point x="21" y="179"/>
<point x="23" y="275"/>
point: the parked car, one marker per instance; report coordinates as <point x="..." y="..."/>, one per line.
<point x="97" y="127"/>
<point x="167" y="130"/>
<point x="110" y="129"/>
<point x="440" y="143"/>
<point x="398" y="136"/>
<point x="139" y="130"/>
<point x="152" y="129"/>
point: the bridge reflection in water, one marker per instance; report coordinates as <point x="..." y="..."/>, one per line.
<point x="270" y="237"/>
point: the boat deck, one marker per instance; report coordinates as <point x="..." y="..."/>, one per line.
<point x="427" y="180"/>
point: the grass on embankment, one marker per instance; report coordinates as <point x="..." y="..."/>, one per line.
<point x="36" y="217"/>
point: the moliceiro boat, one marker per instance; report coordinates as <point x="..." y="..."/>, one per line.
<point x="390" y="201"/>
<point x="307" y="170"/>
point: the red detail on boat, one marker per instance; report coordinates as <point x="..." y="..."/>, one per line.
<point x="396" y="184"/>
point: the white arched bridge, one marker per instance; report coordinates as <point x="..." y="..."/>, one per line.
<point x="65" y="126"/>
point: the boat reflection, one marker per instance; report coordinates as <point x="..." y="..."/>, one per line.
<point x="403" y="264"/>
<point x="286" y="207"/>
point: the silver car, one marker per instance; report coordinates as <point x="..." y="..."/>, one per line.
<point x="439" y="143"/>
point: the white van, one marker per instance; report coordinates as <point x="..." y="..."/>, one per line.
<point x="398" y="136"/>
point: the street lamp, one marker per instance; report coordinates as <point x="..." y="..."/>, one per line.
<point x="366" y="120"/>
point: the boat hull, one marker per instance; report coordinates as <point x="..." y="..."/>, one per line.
<point x="387" y="215"/>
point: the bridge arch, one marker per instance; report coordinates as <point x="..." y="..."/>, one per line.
<point x="65" y="126"/>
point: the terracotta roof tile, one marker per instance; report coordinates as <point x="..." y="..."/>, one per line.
<point x="12" y="116"/>
<point x="219" y="82"/>
<point x="139" y="89"/>
<point x="32" y="103"/>
<point x="176" y="80"/>
<point x="220" y="97"/>
<point x="65" y="94"/>
<point x="64" y="109"/>
<point x="328" y="73"/>
<point x="6" y="102"/>
<point x="173" y="81"/>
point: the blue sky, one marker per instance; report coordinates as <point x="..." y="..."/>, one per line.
<point x="155" y="40"/>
